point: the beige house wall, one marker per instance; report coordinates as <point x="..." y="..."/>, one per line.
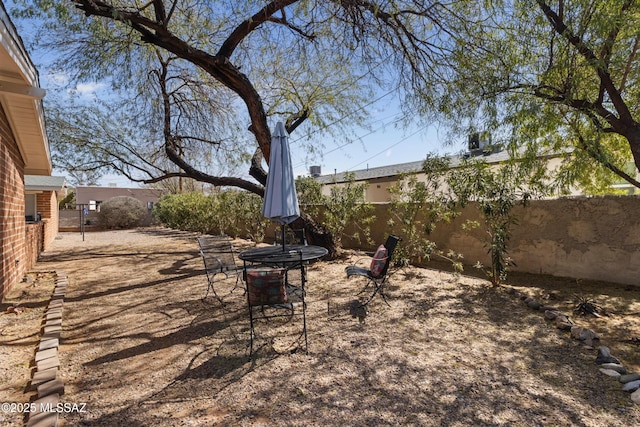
<point x="378" y="188"/>
<point x="84" y="195"/>
<point x="587" y="238"/>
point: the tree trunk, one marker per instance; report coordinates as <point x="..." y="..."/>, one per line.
<point x="634" y="142"/>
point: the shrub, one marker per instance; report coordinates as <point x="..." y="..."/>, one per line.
<point x="231" y="212"/>
<point x="415" y="209"/>
<point x="188" y="211"/>
<point x="345" y="208"/>
<point x="121" y="212"/>
<point x="68" y="202"/>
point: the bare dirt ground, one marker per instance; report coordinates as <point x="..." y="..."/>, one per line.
<point x="140" y="346"/>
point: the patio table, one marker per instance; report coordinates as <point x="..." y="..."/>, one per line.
<point x="275" y="255"/>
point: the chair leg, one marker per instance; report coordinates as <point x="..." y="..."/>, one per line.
<point x="304" y="326"/>
<point x="384" y="296"/>
<point x="210" y="288"/>
<point x="378" y="288"/>
<point x="251" y="332"/>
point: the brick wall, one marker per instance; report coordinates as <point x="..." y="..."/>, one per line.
<point x="33" y="243"/>
<point x="47" y="205"/>
<point x="13" y="262"/>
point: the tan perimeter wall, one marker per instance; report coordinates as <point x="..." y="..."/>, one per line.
<point x="587" y="238"/>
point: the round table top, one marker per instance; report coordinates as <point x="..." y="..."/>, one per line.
<point x="276" y="255"/>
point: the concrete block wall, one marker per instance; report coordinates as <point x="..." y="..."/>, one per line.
<point x="595" y="238"/>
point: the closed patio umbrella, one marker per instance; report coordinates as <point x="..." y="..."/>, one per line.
<point x="280" y="199"/>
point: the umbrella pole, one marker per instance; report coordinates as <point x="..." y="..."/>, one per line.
<point x="283" y="238"/>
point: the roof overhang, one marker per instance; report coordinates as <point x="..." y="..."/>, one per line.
<point x="44" y="183"/>
<point x="21" y="99"/>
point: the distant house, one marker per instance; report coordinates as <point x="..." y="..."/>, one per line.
<point x="380" y="179"/>
<point x="28" y="206"/>
<point x="92" y="196"/>
<point x="89" y="198"/>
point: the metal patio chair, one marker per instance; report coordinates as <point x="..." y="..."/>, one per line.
<point x="218" y="256"/>
<point x="270" y="287"/>
<point x="376" y="274"/>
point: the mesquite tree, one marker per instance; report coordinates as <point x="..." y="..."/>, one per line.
<point x="199" y="82"/>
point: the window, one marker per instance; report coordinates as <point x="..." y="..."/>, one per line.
<point x="31" y="207"/>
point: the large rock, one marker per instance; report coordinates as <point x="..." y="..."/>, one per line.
<point x="610" y="373"/>
<point x="631" y="386"/>
<point x="629" y="377"/>
<point x="563" y="322"/>
<point x="604" y="356"/>
<point x="615" y="367"/>
<point x="533" y="303"/>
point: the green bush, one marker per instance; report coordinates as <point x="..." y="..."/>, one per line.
<point x="343" y="209"/>
<point x="121" y="212"/>
<point x="187" y="211"/>
<point x="234" y="213"/>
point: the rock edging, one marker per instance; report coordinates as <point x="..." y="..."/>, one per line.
<point x="45" y="378"/>
<point x="608" y="364"/>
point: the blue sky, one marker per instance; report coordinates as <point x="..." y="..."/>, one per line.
<point x="388" y="143"/>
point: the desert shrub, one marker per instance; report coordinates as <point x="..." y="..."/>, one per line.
<point x="231" y="212"/>
<point x="344" y="212"/>
<point x="415" y="209"/>
<point x="497" y="191"/>
<point x="188" y="211"/>
<point x="121" y="212"/>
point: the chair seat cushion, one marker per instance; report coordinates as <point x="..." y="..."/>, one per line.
<point x="266" y="286"/>
<point x="379" y="261"/>
<point x="354" y="270"/>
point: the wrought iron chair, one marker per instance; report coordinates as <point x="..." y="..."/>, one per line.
<point x="218" y="257"/>
<point x="376" y="274"/>
<point x="270" y="287"/>
<point x="293" y="236"/>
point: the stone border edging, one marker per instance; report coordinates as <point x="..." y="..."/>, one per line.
<point x="45" y="378"/>
<point x="608" y="364"/>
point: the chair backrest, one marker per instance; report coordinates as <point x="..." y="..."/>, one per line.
<point x="217" y="253"/>
<point x="390" y="244"/>
<point x="293" y="236"/>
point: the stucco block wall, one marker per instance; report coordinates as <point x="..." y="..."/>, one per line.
<point x="598" y="238"/>
<point x="13" y="263"/>
<point x="588" y="238"/>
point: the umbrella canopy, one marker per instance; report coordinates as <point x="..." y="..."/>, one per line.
<point x="280" y="199"/>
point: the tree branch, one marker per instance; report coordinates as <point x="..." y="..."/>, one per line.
<point x="247" y="26"/>
<point x="597" y="154"/>
<point x="600" y="67"/>
<point x="219" y="66"/>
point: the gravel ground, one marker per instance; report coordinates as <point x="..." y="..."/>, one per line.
<point x="141" y="347"/>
